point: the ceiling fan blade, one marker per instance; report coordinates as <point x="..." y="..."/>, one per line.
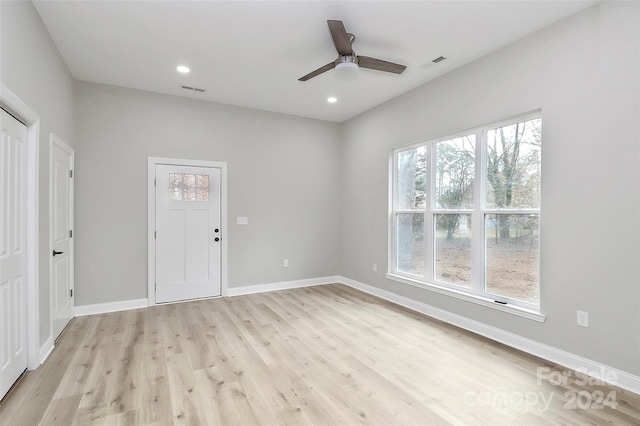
<point x="340" y="38"/>
<point x="317" y="72"/>
<point x="380" y="65"/>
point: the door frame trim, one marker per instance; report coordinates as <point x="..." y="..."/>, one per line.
<point x="13" y="104"/>
<point x="151" y="218"/>
<point x="55" y="140"/>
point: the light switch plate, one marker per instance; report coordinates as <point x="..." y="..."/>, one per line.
<point x="583" y="319"/>
<point x="242" y="220"/>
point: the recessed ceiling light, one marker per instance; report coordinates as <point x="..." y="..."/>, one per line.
<point x="183" y="69"/>
<point x="332" y="100"/>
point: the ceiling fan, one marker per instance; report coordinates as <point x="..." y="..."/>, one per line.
<point x="347" y="58"/>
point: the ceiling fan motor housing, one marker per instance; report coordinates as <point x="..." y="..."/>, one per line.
<point x="347" y="59"/>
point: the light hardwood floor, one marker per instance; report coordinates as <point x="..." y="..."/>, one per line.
<point x="322" y="355"/>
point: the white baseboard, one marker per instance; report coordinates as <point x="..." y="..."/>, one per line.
<point x="125" y="305"/>
<point x="103" y="308"/>
<point x="45" y="349"/>
<point x="602" y="372"/>
<point x="286" y="285"/>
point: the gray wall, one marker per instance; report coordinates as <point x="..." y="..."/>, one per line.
<point x="32" y="68"/>
<point x="584" y="74"/>
<point x="283" y="174"/>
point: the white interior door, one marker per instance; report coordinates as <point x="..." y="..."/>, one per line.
<point x="61" y="226"/>
<point x="188" y="234"/>
<point x="13" y="261"/>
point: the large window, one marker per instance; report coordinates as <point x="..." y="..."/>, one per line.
<point x="465" y="212"/>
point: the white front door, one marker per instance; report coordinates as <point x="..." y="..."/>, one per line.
<point x="13" y="259"/>
<point x="61" y="227"/>
<point x="188" y="234"/>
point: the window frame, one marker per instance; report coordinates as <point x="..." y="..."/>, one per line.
<point x="477" y="292"/>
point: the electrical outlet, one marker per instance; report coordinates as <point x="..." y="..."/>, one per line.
<point x="583" y="319"/>
<point x="375" y="267"/>
<point x="286" y="263"/>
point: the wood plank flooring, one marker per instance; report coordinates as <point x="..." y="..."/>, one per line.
<point x="325" y="355"/>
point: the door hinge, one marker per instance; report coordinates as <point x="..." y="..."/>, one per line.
<point x="154" y="182"/>
<point x="154" y="235"/>
<point x="70" y="173"/>
<point x="71" y="293"/>
<point x="70" y="233"/>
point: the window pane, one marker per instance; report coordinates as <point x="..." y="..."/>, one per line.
<point x="410" y="243"/>
<point x="512" y="256"/>
<point x="453" y="249"/>
<point x="189" y="194"/>
<point x="203" y="181"/>
<point x="454" y="173"/>
<point x="411" y="176"/>
<point x="513" y="165"/>
<point x="175" y="179"/>
<point x="203" y="194"/>
<point x="189" y="180"/>
<point x="175" y="194"/>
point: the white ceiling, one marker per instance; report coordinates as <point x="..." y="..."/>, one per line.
<point x="251" y="53"/>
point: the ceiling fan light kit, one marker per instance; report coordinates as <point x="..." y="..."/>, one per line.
<point x="347" y="63"/>
<point x="348" y="69"/>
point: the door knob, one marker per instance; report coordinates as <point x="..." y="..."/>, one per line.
<point x="57" y="252"/>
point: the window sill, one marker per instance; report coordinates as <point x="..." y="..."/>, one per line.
<point x="479" y="300"/>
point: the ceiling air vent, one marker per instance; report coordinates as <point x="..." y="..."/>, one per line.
<point x="193" y="89"/>
<point x="438" y="59"/>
